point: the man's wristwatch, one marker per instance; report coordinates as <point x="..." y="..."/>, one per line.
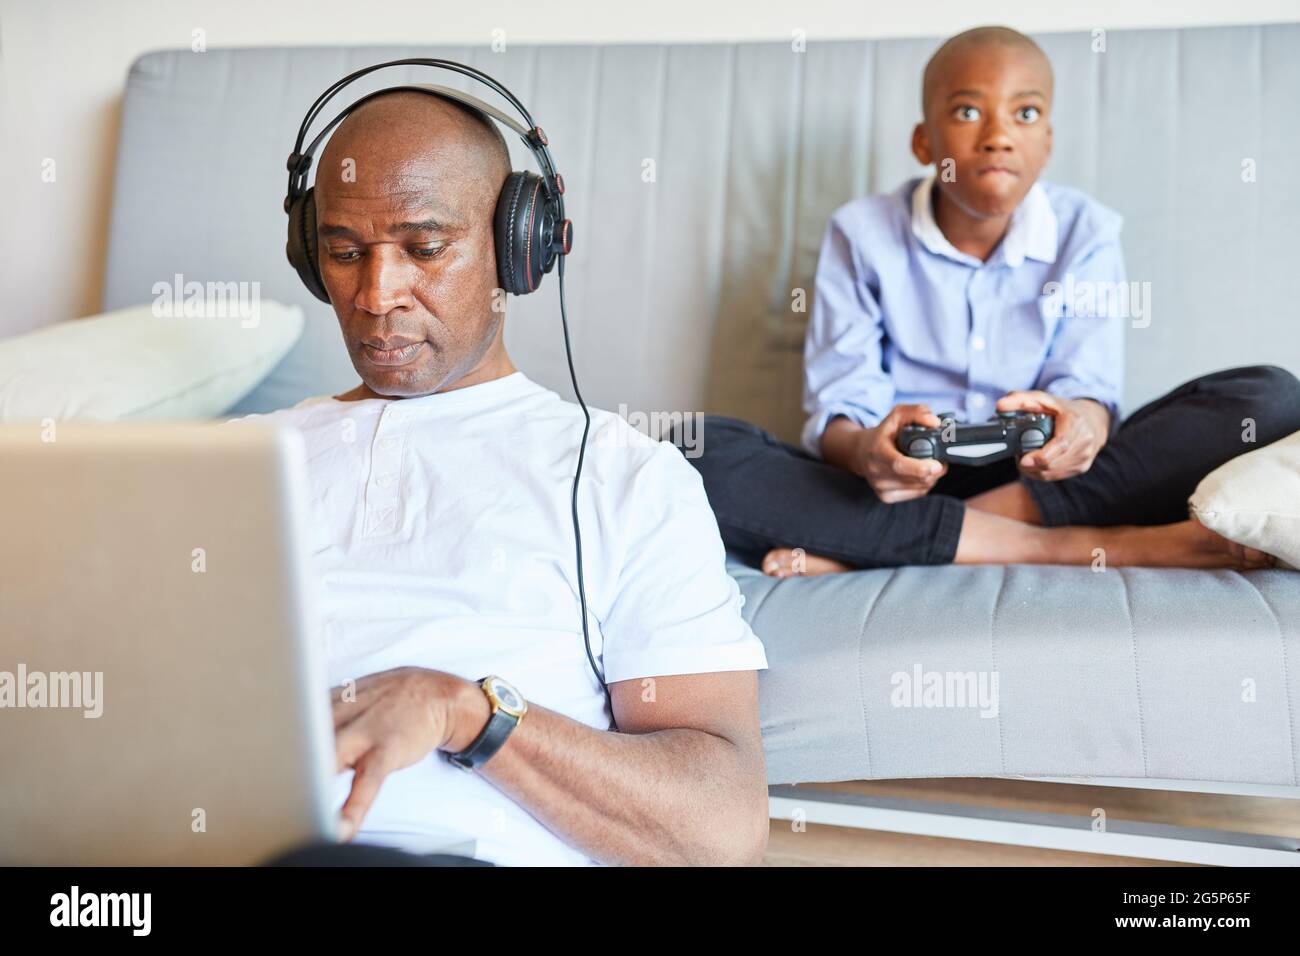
<point x="508" y="709"/>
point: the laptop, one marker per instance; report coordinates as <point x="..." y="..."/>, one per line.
<point x="163" y="698"/>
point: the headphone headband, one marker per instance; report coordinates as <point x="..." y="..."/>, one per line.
<point x="299" y="162"/>
<point x="530" y="227"/>
<point x="451" y="65"/>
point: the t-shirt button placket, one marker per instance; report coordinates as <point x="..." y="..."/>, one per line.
<point x="382" y="499"/>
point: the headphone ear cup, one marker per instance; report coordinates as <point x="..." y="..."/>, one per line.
<point x="301" y="245"/>
<point x="522" y="228"/>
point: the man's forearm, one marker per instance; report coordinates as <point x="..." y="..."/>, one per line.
<point x="677" y="796"/>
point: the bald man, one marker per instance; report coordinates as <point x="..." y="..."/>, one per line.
<point x="978" y="289"/>
<point x="440" y="507"/>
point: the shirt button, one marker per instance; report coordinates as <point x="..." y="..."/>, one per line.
<point x="977" y="343"/>
<point x="384" y="481"/>
<point x="388" y="443"/>
<point x="977" y="400"/>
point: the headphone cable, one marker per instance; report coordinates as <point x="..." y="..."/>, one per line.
<point x="577" y="474"/>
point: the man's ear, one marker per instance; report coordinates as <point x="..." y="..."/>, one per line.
<point x="1049" y="140"/>
<point x="921" y="145"/>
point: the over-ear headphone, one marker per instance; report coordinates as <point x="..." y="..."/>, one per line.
<point x="529" y="227"/>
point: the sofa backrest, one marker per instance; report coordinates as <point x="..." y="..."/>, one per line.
<point x="700" y="179"/>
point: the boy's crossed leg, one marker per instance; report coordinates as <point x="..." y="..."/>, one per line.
<point x="788" y="513"/>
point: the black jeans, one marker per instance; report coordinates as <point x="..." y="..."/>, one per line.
<point x="767" y="494"/>
<point x="364" y="854"/>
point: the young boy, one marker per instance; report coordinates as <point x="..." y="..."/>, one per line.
<point x="944" y="296"/>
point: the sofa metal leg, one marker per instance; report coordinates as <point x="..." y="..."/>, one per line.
<point x="1054" y="831"/>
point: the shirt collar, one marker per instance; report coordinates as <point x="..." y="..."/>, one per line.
<point x="509" y="386"/>
<point x="1031" y="235"/>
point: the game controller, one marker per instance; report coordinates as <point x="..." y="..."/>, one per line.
<point x="1009" y="435"/>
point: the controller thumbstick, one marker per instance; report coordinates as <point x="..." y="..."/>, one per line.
<point x="1032" y="438"/>
<point x="920" y="448"/>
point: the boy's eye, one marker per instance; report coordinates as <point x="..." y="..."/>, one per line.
<point x="427" y="252"/>
<point x="346" y="255"/>
<point x="1028" y="114"/>
<point x="966" y="114"/>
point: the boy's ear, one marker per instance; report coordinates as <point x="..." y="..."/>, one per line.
<point x="921" y="145"/>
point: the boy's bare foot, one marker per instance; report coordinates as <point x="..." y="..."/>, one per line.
<point x="1187" y="544"/>
<point x="993" y="539"/>
<point x="795" y="562"/>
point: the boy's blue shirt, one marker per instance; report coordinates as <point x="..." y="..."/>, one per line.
<point x="900" y="316"/>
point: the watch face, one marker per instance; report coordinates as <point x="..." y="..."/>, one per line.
<point x="507" y="696"/>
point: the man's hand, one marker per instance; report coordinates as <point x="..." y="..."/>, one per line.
<point x="1079" y="432"/>
<point x="392" y="719"/>
<point x="681" y="783"/>
<point x="872" y="454"/>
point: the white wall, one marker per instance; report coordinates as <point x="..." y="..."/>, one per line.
<point x="63" y="62"/>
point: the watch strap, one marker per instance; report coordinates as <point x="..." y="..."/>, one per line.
<point x="490" y="739"/>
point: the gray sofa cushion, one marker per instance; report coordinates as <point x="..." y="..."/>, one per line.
<point x="1166" y="674"/>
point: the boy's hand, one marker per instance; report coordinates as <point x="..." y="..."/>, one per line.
<point x="892" y="475"/>
<point x="1080" y="429"/>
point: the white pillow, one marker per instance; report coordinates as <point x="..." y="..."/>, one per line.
<point x="143" y="363"/>
<point x="1255" y="499"/>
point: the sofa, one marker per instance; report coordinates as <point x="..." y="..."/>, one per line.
<point x="700" y="178"/>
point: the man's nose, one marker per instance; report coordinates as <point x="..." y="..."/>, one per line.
<point x="385" y="283"/>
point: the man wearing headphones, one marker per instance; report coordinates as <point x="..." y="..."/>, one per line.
<point x="441" y="497"/>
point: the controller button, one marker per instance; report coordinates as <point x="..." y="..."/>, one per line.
<point x="920" y="448"/>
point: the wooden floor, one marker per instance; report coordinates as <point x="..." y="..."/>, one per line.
<point x="846" y="846"/>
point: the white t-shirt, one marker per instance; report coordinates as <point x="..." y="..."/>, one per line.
<point x="442" y="538"/>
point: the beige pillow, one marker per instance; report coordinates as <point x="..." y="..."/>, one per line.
<point x="1255" y="500"/>
<point x="138" y="363"/>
